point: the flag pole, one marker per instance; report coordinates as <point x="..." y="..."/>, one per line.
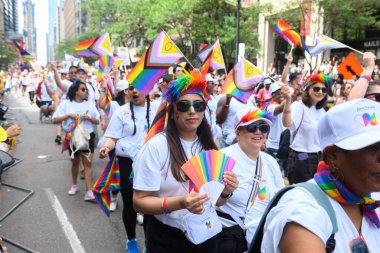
<point x="179" y="50"/>
<point x="355" y="50"/>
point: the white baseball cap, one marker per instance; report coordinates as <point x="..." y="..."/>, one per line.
<point x="267" y="81"/>
<point x="248" y="115"/>
<point x="352" y="125"/>
<point x="210" y="79"/>
<point x="274" y="87"/>
<point x="122" y="85"/>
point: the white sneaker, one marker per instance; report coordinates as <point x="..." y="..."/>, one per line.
<point x="89" y="196"/>
<point x="113" y="204"/>
<point x="73" y="189"/>
<point x="140" y="219"/>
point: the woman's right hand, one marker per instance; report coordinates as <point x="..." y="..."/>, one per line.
<point x="71" y="115"/>
<point x="103" y="152"/>
<point x="194" y="202"/>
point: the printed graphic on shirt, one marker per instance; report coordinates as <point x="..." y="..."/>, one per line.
<point x="262" y="193"/>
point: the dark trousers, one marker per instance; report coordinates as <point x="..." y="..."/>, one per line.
<point x="302" y="166"/>
<point x="31" y="96"/>
<point x="126" y="189"/>
<point x="161" y="238"/>
<point x="283" y="163"/>
<point x="232" y="239"/>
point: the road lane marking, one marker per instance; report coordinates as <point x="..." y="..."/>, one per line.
<point x="68" y="229"/>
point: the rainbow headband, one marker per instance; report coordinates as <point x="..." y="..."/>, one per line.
<point x="191" y="82"/>
<point x="255" y="115"/>
<point x="318" y="78"/>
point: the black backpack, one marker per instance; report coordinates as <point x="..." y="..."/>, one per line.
<point x="323" y="201"/>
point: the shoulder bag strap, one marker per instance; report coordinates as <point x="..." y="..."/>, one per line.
<point x="295" y="133"/>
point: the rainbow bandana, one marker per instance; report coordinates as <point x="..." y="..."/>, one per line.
<point x="191" y="82"/>
<point x="255" y="115"/>
<point x="336" y="190"/>
<point x="318" y="78"/>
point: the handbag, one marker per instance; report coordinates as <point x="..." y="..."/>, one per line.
<point x="80" y="139"/>
<point x="198" y="228"/>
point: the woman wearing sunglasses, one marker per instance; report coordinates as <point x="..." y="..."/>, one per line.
<point x="259" y="177"/>
<point x="349" y="175"/>
<point x="302" y="118"/>
<point x="161" y="188"/>
<point x="126" y="133"/>
<point x="77" y="105"/>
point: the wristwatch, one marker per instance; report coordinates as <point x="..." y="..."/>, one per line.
<point x="226" y="196"/>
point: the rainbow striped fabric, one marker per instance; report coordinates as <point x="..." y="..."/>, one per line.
<point x="107" y="101"/>
<point x="336" y="190"/>
<point x="325" y="43"/>
<point x="25" y="55"/>
<point x="287" y="32"/>
<point x="66" y="140"/>
<point x="50" y="81"/>
<point x="84" y="48"/>
<point x="156" y="60"/>
<point x="241" y="80"/>
<point x="108" y="181"/>
<point x="215" y="56"/>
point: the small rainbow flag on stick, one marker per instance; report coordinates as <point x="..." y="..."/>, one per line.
<point x="108" y="181"/>
<point x="106" y="63"/>
<point x="156" y="60"/>
<point x="66" y="140"/>
<point x="212" y="57"/>
<point x="241" y="80"/>
<point x="206" y="171"/>
<point x="107" y="101"/>
<point x="287" y="32"/>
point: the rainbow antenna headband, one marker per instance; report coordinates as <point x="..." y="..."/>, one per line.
<point x="318" y="78"/>
<point x="191" y="82"/>
<point x="251" y="115"/>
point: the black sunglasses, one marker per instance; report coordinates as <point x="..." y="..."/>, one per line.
<point x="376" y="95"/>
<point x="131" y="88"/>
<point x="184" y="105"/>
<point x="264" y="128"/>
<point x="318" y="89"/>
<point x="72" y="72"/>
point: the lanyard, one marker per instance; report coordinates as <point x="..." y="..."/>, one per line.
<point x="255" y="183"/>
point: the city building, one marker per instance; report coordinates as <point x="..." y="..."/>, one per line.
<point x="10" y="18"/>
<point x="81" y="18"/>
<point x="75" y="18"/>
<point x="52" y="29"/>
<point x="60" y="23"/>
<point x="29" y="32"/>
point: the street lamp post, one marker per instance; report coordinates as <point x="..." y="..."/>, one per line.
<point x="237" y="30"/>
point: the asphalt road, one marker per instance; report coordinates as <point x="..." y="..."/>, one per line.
<point x="51" y="220"/>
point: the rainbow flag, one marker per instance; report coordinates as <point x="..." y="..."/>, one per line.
<point x="107" y="101"/>
<point x="325" y="43"/>
<point x="241" y="80"/>
<point x="290" y="35"/>
<point x="102" y="46"/>
<point x="84" y="48"/>
<point x="25" y="55"/>
<point x="156" y="60"/>
<point x="66" y="140"/>
<point x="216" y="61"/>
<point x="159" y="121"/>
<point x="106" y="63"/>
<point x="206" y="65"/>
<point x="50" y="81"/>
<point x="108" y="181"/>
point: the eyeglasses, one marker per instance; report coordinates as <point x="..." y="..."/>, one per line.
<point x="84" y="89"/>
<point x="376" y="95"/>
<point x="318" y="89"/>
<point x="358" y="245"/>
<point x="264" y="128"/>
<point x="184" y="105"/>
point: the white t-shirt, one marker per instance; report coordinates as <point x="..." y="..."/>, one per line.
<point x="68" y="106"/>
<point x="228" y="126"/>
<point x="113" y="107"/>
<point x="307" y="137"/>
<point x="276" y="129"/>
<point x="44" y="93"/>
<point x="93" y="92"/>
<point x="121" y="127"/>
<point x="244" y="170"/>
<point x="211" y="117"/>
<point x="152" y="173"/>
<point x="298" y="205"/>
<point x="66" y="83"/>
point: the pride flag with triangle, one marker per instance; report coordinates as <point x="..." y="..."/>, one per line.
<point x="156" y="60"/>
<point x="241" y="80"/>
<point x="214" y="55"/>
<point x="95" y="47"/>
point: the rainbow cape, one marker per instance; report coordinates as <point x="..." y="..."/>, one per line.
<point x="325" y="43"/>
<point x="108" y="181"/>
<point x="156" y="60"/>
<point x="241" y="80"/>
<point x="66" y="140"/>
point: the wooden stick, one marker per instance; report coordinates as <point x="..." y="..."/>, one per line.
<point x="355" y="50"/>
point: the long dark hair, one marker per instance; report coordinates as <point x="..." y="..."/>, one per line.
<point x="146" y="116"/>
<point x="73" y="89"/>
<point x="177" y="153"/>
<point x="120" y="98"/>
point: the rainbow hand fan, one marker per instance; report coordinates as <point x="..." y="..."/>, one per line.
<point x="206" y="171"/>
